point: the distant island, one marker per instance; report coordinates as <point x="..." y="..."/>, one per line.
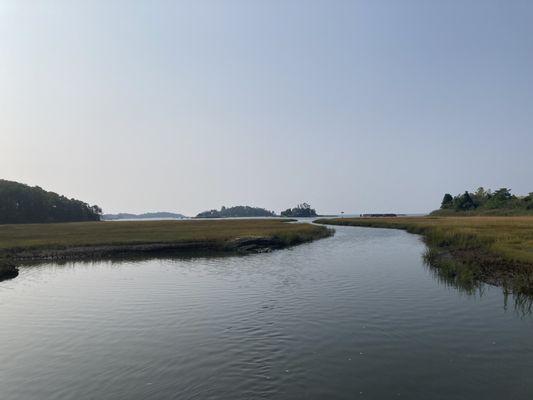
<point x="23" y="204"/>
<point x="300" y="211"/>
<point x="486" y="202"/>
<point x="237" y="211"/>
<point x="151" y="215"/>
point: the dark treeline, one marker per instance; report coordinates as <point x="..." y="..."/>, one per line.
<point x="300" y="211"/>
<point x="487" y="202"/>
<point x="21" y="203"/>
<point x="237" y="211"/>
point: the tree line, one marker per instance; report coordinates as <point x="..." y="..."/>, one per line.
<point x="237" y="211"/>
<point x="21" y="203"/>
<point x="300" y="211"/>
<point x="487" y="200"/>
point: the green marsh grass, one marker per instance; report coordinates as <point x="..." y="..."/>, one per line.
<point x="211" y="234"/>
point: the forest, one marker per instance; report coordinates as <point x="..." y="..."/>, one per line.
<point x="300" y="211"/>
<point x="486" y="202"/>
<point x="20" y="204"/>
<point x="237" y="211"/>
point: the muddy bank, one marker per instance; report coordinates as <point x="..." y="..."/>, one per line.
<point x="8" y="271"/>
<point x="239" y="245"/>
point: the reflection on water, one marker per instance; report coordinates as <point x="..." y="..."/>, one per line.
<point x="467" y="279"/>
<point x="357" y="315"/>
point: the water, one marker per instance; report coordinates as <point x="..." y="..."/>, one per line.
<point x="353" y="316"/>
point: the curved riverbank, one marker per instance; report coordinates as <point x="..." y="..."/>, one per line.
<point x="96" y="240"/>
<point x="495" y="250"/>
<point x="307" y="320"/>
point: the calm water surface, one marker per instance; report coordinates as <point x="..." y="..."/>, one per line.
<point x="353" y="316"/>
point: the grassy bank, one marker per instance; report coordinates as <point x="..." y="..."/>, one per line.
<point x="103" y="239"/>
<point x="493" y="249"/>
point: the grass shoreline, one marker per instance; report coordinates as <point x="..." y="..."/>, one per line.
<point x="494" y="250"/>
<point x="98" y="240"/>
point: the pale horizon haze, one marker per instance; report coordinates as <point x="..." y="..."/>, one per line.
<point x="184" y="106"/>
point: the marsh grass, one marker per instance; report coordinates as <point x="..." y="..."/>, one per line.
<point x="208" y="234"/>
<point x="453" y="272"/>
<point x="508" y="237"/>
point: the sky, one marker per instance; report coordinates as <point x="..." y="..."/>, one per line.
<point x="354" y="106"/>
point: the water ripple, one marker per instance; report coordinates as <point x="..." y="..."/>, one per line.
<point x="356" y="315"/>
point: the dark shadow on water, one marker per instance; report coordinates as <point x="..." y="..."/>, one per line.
<point x="8" y="272"/>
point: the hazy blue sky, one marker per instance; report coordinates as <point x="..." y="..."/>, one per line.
<point x="183" y="106"/>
